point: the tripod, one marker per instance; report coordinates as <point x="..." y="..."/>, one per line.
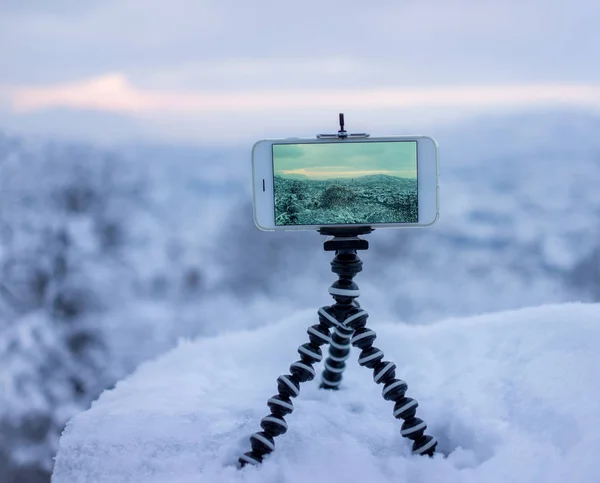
<point x="340" y="325"/>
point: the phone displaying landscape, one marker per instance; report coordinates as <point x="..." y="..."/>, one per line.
<point x="345" y="183"/>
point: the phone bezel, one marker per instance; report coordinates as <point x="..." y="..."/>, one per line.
<point x="262" y="176"/>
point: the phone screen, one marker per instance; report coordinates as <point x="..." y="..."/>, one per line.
<point x="345" y="183"/>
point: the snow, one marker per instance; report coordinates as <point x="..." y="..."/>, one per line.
<point x="511" y="396"/>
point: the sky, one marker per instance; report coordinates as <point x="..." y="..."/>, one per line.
<point x="203" y="70"/>
<point x="347" y="160"/>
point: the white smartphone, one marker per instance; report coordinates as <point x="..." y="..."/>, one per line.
<point x="307" y="184"/>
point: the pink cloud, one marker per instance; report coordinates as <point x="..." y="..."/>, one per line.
<point x="114" y="93"/>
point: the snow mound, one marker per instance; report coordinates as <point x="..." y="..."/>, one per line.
<point x="511" y="396"/>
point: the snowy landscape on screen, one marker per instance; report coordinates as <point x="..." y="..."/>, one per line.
<point x="511" y="396"/>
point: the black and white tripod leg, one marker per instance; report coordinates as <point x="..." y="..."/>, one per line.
<point x="339" y="351"/>
<point x="288" y="386"/>
<point x="384" y="372"/>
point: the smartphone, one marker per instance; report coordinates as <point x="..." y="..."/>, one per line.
<point x="307" y="184"/>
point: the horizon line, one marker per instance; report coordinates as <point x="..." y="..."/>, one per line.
<point x="313" y="178"/>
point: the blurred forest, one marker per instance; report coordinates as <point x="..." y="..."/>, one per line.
<point x="67" y="228"/>
<point x="365" y="199"/>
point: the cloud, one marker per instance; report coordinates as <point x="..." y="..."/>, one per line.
<point x="114" y="93"/>
<point x="429" y="42"/>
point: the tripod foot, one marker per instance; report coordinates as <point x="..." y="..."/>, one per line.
<point x="425" y="445"/>
<point x="250" y="458"/>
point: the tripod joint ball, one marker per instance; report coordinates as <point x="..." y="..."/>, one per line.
<point x="340" y="325"/>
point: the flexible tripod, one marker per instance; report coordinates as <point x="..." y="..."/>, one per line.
<point x="340" y="325"/>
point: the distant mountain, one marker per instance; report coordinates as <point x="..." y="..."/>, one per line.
<point x="63" y="124"/>
<point x="516" y="137"/>
<point x="384" y="178"/>
<point x="297" y="176"/>
<point x="367" y="179"/>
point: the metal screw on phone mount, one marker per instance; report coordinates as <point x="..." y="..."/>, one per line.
<point x="348" y="321"/>
<point x="342" y="133"/>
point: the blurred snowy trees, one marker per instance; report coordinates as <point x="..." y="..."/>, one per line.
<point x="63" y="225"/>
<point x="364" y="199"/>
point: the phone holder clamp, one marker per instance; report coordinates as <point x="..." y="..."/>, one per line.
<point x="342" y="133"/>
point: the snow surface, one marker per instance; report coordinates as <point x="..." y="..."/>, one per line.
<point x="512" y="397"/>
